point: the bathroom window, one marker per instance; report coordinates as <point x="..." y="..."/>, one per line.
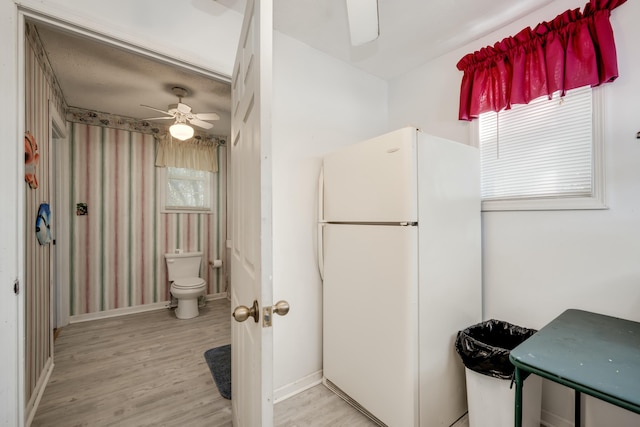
<point x="187" y="190"/>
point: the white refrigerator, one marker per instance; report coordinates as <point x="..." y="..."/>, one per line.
<point x="400" y="259"/>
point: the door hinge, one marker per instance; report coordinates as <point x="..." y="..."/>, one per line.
<point x="16" y="287"/>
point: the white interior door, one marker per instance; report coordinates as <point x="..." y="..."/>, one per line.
<point x="251" y="260"/>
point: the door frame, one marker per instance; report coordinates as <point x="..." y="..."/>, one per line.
<point x="13" y="404"/>
<point x="59" y="288"/>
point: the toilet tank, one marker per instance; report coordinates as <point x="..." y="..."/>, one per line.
<point x="186" y="264"/>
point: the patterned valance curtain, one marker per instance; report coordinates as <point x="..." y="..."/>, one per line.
<point x="193" y="153"/>
<point x="575" y="49"/>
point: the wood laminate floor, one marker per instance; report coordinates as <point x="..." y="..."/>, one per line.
<point x="148" y="369"/>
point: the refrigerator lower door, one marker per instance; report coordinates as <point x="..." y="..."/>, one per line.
<point x="370" y="325"/>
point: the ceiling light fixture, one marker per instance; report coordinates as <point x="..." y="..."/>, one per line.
<point x="363" y="21"/>
<point x="181" y="131"/>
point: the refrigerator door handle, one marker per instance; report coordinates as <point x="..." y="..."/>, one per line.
<point x="321" y="196"/>
<point x="321" y="222"/>
<point x="321" y="250"/>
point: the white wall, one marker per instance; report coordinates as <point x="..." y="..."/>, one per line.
<point x="537" y="264"/>
<point x="320" y="104"/>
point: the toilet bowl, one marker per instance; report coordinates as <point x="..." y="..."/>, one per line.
<point x="186" y="284"/>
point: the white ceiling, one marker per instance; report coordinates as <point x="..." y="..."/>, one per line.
<point x="412" y="32"/>
<point x="99" y="77"/>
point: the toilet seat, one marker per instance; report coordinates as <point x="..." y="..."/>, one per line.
<point x="188" y="283"/>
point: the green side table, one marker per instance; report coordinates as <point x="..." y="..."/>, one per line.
<point x="591" y="353"/>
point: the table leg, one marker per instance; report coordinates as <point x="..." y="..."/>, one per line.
<point x="518" y="405"/>
<point x="577" y="398"/>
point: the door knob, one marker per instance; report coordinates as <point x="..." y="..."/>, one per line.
<point x="242" y="313"/>
<point x="281" y="308"/>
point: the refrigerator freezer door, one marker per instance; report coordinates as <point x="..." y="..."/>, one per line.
<point x="373" y="181"/>
<point x="370" y="322"/>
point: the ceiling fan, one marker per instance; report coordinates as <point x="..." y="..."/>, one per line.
<point x="182" y="115"/>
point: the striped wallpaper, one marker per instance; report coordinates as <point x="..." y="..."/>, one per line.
<point x="116" y="251"/>
<point x="39" y="90"/>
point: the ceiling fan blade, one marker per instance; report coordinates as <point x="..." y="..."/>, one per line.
<point x="183" y="108"/>
<point x="207" y="116"/>
<point x="158" y="118"/>
<point x="200" y="123"/>
<point x="158" y="110"/>
<point x="363" y="21"/>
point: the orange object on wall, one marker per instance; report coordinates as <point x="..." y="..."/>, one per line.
<point x="31" y="157"/>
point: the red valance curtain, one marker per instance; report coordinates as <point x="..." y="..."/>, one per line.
<point x="574" y="49"/>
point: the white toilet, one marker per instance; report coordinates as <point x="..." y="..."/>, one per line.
<point x="186" y="284"/>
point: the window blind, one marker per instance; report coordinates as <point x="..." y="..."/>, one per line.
<point x="539" y="150"/>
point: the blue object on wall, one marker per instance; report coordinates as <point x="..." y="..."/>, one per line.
<point x="43" y="221"/>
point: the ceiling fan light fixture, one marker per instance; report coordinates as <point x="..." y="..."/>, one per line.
<point x="181" y="131"/>
<point x="363" y="21"/>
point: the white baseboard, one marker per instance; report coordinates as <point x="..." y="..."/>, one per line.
<point x="212" y="297"/>
<point x="38" y="391"/>
<point x="289" y="390"/>
<point x="131" y="310"/>
<point x="117" y="312"/>
<point x="550" y="420"/>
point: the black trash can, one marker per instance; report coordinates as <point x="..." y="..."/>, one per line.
<point x="484" y="349"/>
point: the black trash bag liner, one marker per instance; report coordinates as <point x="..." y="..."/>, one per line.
<point x="485" y="347"/>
